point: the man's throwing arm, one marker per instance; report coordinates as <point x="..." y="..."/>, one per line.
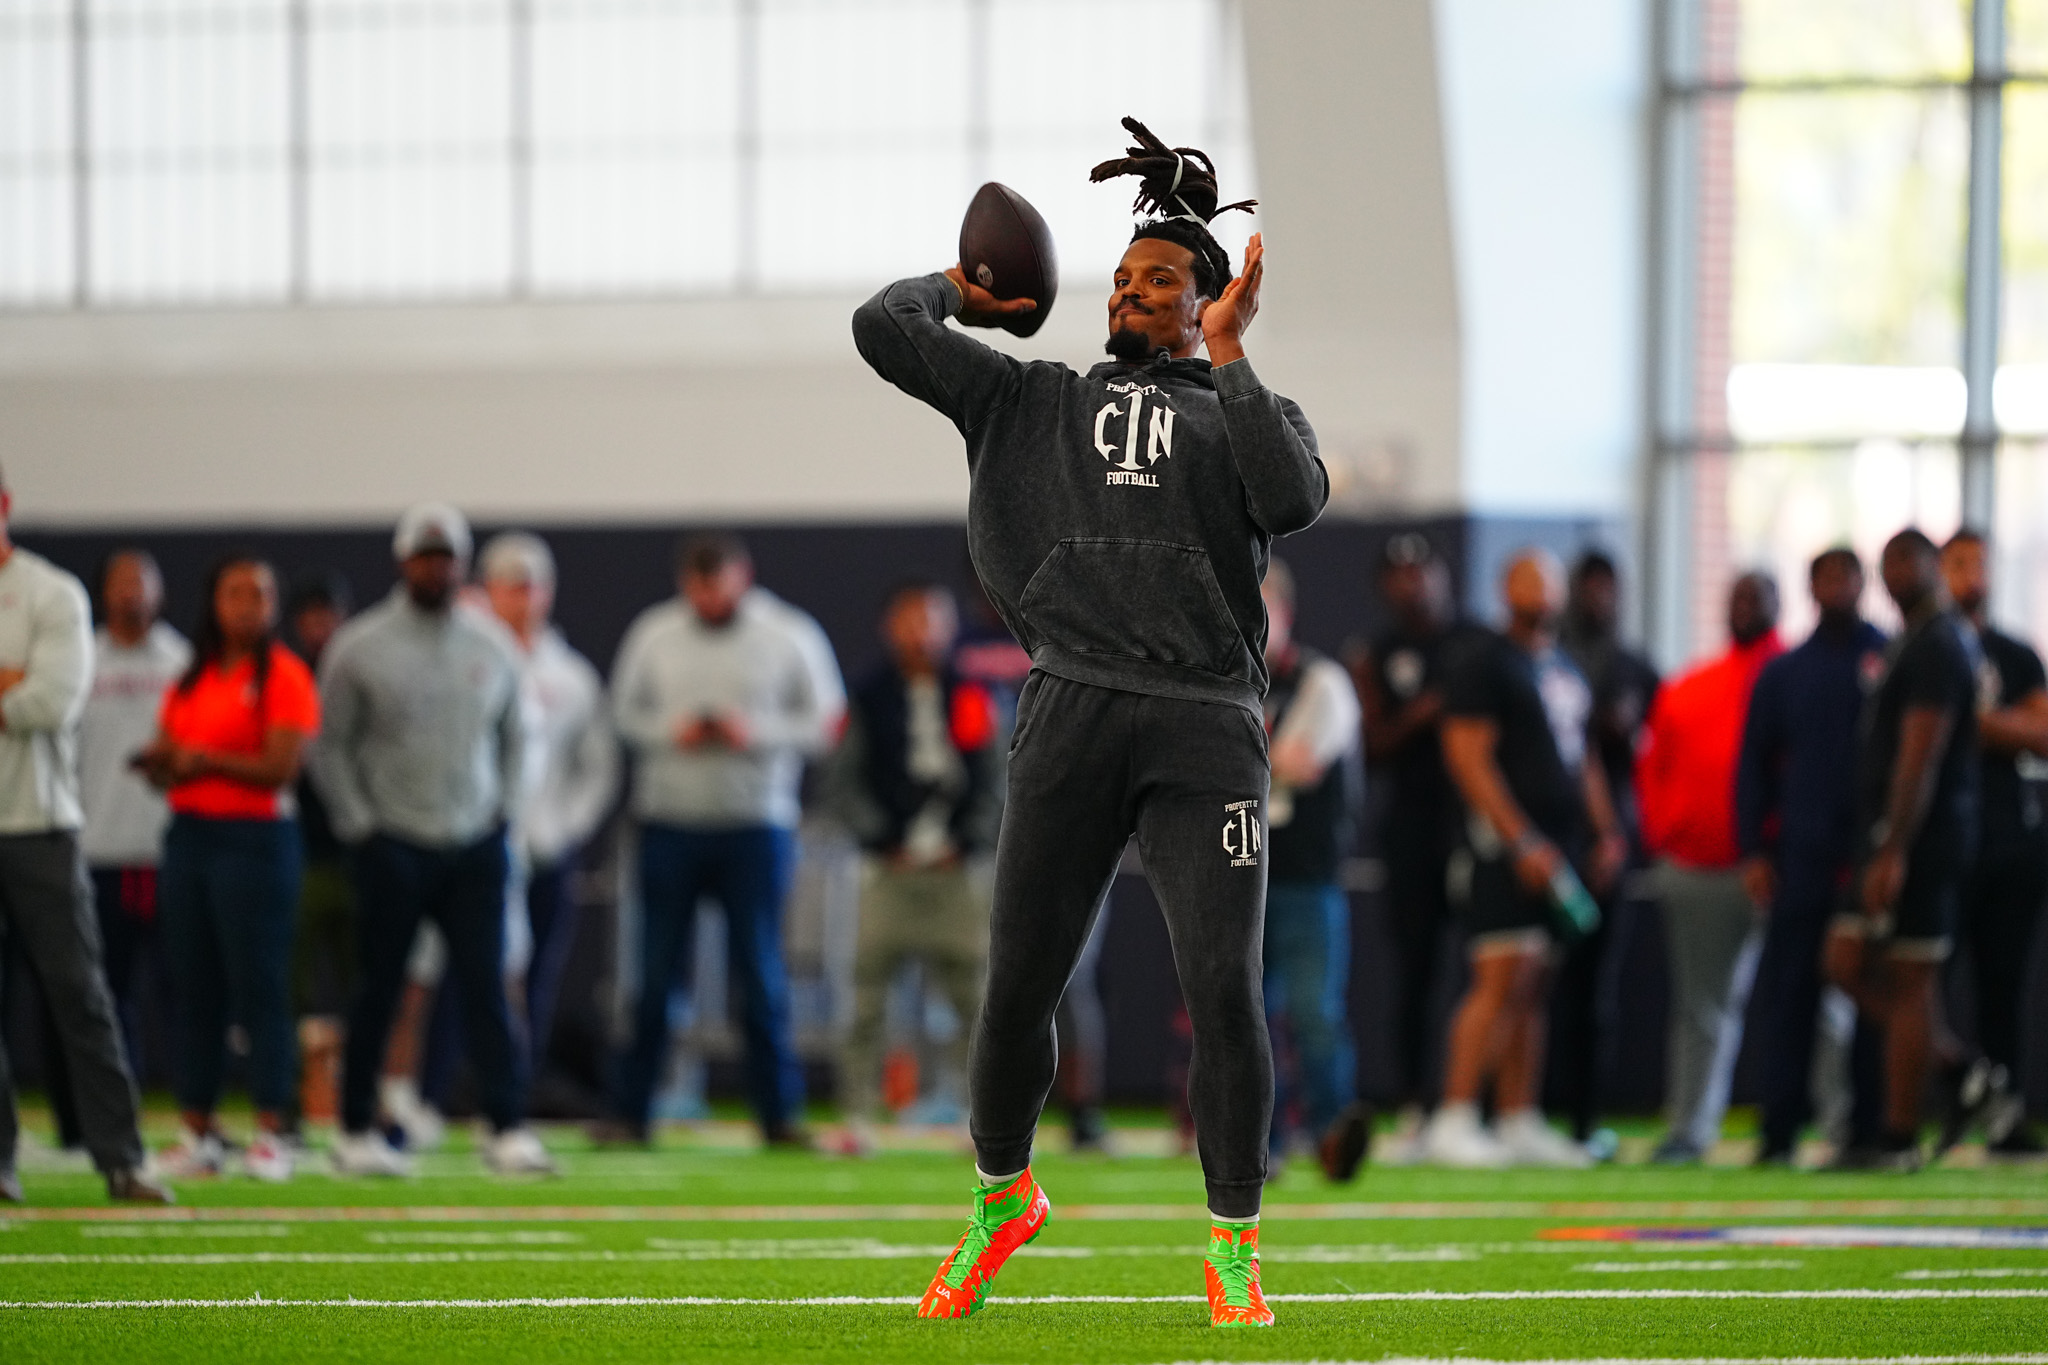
<point x="902" y="333"/>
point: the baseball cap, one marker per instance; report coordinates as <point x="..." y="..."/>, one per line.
<point x="431" y="526"/>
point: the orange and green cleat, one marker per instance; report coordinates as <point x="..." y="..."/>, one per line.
<point x="1005" y="1218"/>
<point x="1232" y="1270"/>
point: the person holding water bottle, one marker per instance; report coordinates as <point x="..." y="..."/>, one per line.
<point x="1538" y="813"/>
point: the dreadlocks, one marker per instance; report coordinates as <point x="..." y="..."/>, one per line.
<point x="1178" y="184"/>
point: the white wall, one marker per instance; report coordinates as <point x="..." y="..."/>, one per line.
<point x="1493" y="368"/>
<point x="1546" y="114"/>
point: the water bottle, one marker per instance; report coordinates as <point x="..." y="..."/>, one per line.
<point x="1578" y="913"/>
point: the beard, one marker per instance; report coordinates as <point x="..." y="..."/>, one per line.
<point x="1128" y="343"/>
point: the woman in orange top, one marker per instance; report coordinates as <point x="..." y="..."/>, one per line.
<point x="230" y="737"/>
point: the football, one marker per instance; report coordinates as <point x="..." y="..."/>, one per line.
<point x="1006" y="248"/>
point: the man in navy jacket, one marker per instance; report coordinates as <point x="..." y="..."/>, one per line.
<point x="1795" y="811"/>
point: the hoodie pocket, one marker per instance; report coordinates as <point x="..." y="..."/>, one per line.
<point x="1138" y="599"/>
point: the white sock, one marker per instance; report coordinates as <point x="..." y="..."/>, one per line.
<point x="998" y="1181"/>
<point x="1216" y="1217"/>
<point x="1462" y="1111"/>
<point x="398" y="1092"/>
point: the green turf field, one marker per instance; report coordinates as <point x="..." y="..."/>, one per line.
<point x="694" y="1253"/>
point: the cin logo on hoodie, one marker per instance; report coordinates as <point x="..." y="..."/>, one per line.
<point x="1147" y="427"/>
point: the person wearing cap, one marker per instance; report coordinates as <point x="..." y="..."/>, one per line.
<point x="46" y="909"/>
<point x="421" y="761"/>
<point x="576" y="772"/>
<point x="722" y="693"/>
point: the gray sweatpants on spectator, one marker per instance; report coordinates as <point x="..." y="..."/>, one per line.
<point x="1713" y="940"/>
<point x="46" y="915"/>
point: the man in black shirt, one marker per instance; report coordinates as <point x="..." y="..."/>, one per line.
<point x="1917" y="806"/>
<point x="1400" y="680"/>
<point x="1582" y="1016"/>
<point x="1516" y="713"/>
<point x="2002" y="897"/>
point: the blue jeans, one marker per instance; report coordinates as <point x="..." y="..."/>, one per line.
<point x="748" y="871"/>
<point x="1308" y="967"/>
<point x="229" y="896"/>
<point x="463" y="890"/>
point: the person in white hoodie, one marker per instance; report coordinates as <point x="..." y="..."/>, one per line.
<point x="576" y="758"/>
<point x="136" y="657"/>
<point x="723" y="692"/>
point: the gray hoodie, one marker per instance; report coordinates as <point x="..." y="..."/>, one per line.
<point x="421" y="733"/>
<point x="1120" y="519"/>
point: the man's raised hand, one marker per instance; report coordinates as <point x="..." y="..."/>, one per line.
<point x="979" y="308"/>
<point x="1225" y="320"/>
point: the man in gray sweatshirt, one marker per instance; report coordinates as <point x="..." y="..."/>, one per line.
<point x="1120" y="521"/>
<point x="722" y="692"/>
<point x="420" y="759"/>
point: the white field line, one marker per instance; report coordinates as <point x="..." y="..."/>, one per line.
<point x="1660" y="1267"/>
<point x="1988" y="1272"/>
<point x="666" y="1249"/>
<point x="1620" y="1210"/>
<point x="1691" y="1360"/>
<point x="1391" y="1296"/>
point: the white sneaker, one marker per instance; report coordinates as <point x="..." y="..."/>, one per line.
<point x="424" y="1128"/>
<point x="368" y="1154"/>
<point x="1529" y="1141"/>
<point x="196" y="1156"/>
<point x="268" y="1157"/>
<point x="1455" y="1137"/>
<point x="516" y="1151"/>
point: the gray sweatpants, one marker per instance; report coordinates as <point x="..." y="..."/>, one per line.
<point x="46" y="914"/>
<point x="1713" y="939"/>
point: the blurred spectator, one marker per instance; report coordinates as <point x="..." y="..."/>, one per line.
<point x="135" y="658"/>
<point x="1583" y="1008"/>
<point x="1400" y="681"/>
<point x="2003" y="895"/>
<point x="324" y="949"/>
<point x="722" y="692"/>
<point x="1685" y="779"/>
<point x="1312" y="716"/>
<point x="1917" y="815"/>
<point x="578" y="764"/>
<point x="422" y="764"/>
<point x="1516" y="713"/>
<point x="1795" y="821"/>
<point x="228" y="747"/>
<point x="918" y="780"/>
<point x="46" y="911"/>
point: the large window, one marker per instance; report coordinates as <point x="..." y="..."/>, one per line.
<point x="1854" y="292"/>
<point x="201" y="152"/>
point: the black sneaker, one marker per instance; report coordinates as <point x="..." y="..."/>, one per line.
<point x="10" y="1188"/>
<point x="131" y="1186"/>
<point x="1773" y="1158"/>
<point x="1087" y="1130"/>
<point x="1971" y="1090"/>
<point x="1344" y="1145"/>
<point x="2019" y="1144"/>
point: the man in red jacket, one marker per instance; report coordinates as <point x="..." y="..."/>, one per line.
<point x="1685" y="783"/>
